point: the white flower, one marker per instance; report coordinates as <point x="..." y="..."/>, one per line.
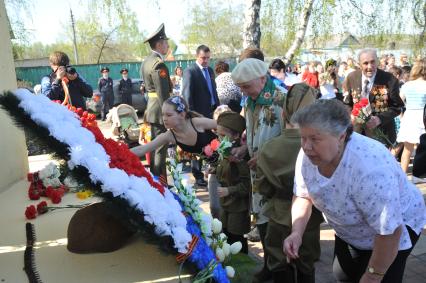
<point x="220" y="255"/>
<point x="236" y="248"/>
<point x="230" y="271"/>
<point x="226" y="249"/>
<point x="216" y="226"/>
<point x="222" y="237"/>
<point x="70" y="182"/>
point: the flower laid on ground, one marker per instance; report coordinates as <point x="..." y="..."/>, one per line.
<point x="84" y="194"/>
<point x="49" y="175"/>
<point x="32" y="211"/>
<point x="46" y="183"/>
<point x="362" y="113"/>
<point x="217" y="150"/>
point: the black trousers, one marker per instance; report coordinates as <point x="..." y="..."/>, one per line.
<point x="196" y="169"/>
<point x="232" y="238"/>
<point x="107" y="103"/>
<point x="158" y="156"/>
<point x="350" y="263"/>
<point x="126" y="98"/>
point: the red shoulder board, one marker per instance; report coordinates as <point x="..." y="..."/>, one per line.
<point x="163" y="73"/>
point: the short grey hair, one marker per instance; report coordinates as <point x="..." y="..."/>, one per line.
<point x="327" y="115"/>
<point x="367" y="51"/>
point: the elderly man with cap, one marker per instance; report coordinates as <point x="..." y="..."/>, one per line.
<point x="263" y="110"/>
<point x="234" y="180"/>
<point x="107" y="95"/>
<point x="125" y="87"/>
<point x="275" y="178"/>
<point x="159" y="87"/>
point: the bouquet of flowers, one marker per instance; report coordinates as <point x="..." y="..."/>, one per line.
<point x="216" y="151"/>
<point x="362" y="113"/>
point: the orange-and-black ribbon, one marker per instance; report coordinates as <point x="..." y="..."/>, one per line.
<point x="181" y="257"/>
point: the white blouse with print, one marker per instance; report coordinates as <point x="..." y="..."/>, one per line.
<point x="368" y="194"/>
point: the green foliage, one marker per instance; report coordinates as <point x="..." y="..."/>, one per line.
<point x="244" y="266"/>
<point x="215" y="24"/>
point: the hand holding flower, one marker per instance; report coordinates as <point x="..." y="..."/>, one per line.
<point x="373" y="122"/>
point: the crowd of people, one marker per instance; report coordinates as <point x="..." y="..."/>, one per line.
<point x="308" y="143"/>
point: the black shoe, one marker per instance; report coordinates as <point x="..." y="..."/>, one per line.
<point x="201" y="183"/>
<point x="262" y="276"/>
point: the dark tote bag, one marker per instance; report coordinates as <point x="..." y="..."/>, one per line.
<point x="419" y="163"/>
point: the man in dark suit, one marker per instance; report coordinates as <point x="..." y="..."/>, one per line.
<point x="382" y="90"/>
<point x="158" y="85"/>
<point x="199" y="90"/>
<point x="198" y="84"/>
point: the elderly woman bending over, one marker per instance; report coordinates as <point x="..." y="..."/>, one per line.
<point x="360" y="188"/>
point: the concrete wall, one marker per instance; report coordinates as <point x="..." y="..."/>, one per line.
<point x="13" y="150"/>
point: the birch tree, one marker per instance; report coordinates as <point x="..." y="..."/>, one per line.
<point x="251" y="33"/>
<point x="300" y="34"/>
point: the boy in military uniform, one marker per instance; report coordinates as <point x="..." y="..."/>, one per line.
<point x="234" y="180"/>
<point x="159" y="87"/>
<point x="275" y="174"/>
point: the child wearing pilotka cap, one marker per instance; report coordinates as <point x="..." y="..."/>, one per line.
<point x="234" y="179"/>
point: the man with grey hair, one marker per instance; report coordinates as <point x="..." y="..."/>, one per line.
<point x="381" y="89"/>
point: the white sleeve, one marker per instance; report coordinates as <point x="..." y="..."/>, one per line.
<point x="300" y="189"/>
<point x="377" y="199"/>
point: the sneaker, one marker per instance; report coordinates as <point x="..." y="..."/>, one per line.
<point x="253" y="235"/>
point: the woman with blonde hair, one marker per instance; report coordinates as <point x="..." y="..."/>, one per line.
<point x="414" y="93"/>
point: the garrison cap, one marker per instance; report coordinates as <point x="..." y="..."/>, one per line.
<point x="157" y="35"/>
<point x="233" y="121"/>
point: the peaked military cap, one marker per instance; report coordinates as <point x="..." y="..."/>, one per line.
<point x="104" y="69"/>
<point x="124" y="70"/>
<point x="157" y="35"/>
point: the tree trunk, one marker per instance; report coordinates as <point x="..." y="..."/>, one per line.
<point x="104" y="43"/>
<point x="300" y="34"/>
<point x="251" y="33"/>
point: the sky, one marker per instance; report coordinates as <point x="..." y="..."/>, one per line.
<point x="46" y="13"/>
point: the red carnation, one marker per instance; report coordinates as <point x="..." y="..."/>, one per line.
<point x="215" y="144"/>
<point x="42" y="207"/>
<point x="79" y="111"/>
<point x="355" y="112"/>
<point x="49" y="191"/>
<point x="30" y="177"/>
<point x="31" y="212"/>
<point x="364" y="101"/>
<point x="33" y="194"/>
<point x="55" y="196"/>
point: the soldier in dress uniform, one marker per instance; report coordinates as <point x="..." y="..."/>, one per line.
<point x="159" y="87"/>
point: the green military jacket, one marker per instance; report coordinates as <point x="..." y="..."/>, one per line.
<point x="235" y="176"/>
<point x="275" y="177"/>
<point x="158" y="85"/>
